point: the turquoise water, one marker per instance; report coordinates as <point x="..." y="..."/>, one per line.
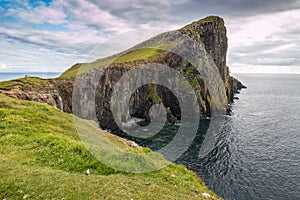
<point x="4" y="76"/>
<point x="256" y="153"/>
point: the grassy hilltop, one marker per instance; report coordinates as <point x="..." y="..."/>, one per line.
<point x="42" y="157"/>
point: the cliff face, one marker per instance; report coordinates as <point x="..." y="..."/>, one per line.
<point x="209" y="34"/>
<point x="56" y="93"/>
<point x="142" y="99"/>
<point x="212" y="32"/>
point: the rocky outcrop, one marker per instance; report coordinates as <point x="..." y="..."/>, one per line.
<point x="65" y="89"/>
<point x="44" y="94"/>
<point x="56" y="93"/>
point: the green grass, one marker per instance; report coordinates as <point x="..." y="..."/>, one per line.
<point x="206" y="20"/>
<point x="72" y="72"/>
<point x="140" y="54"/>
<point x="42" y="157"/>
<point x="24" y="83"/>
<point x="136" y="55"/>
<point x="211" y="19"/>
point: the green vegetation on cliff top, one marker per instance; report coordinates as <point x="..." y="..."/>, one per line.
<point x="42" y="158"/>
<point x="209" y="19"/>
<point x="143" y="54"/>
<point x="24" y="83"/>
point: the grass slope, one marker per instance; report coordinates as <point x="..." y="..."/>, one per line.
<point x="131" y="56"/>
<point x="24" y="83"/>
<point x="42" y="157"/>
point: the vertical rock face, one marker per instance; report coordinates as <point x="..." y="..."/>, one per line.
<point x="64" y="89"/>
<point x="212" y="32"/>
<point x="213" y="35"/>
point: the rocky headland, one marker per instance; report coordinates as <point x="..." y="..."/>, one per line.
<point x="208" y="33"/>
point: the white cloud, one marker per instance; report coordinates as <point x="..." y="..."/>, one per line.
<point x="72" y="14"/>
<point x="3" y="66"/>
<point x="86" y="13"/>
<point x="19" y="56"/>
<point x="70" y="41"/>
<point x="41" y="15"/>
<point x="263" y="27"/>
<point x="265" y="40"/>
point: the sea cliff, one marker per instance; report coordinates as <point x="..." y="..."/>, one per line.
<point x="209" y="33"/>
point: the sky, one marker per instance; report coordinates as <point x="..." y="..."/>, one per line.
<point x="52" y="35"/>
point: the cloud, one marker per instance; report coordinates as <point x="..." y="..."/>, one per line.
<point x="27" y="57"/>
<point x="144" y="12"/>
<point x="41" y="15"/>
<point x="238" y="8"/>
<point x="265" y="40"/>
<point x="60" y="12"/>
<point x="3" y="66"/>
<point x="61" y="41"/>
<point x="86" y="13"/>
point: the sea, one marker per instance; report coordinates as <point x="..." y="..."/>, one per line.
<point x="4" y="76"/>
<point x="256" y="153"/>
